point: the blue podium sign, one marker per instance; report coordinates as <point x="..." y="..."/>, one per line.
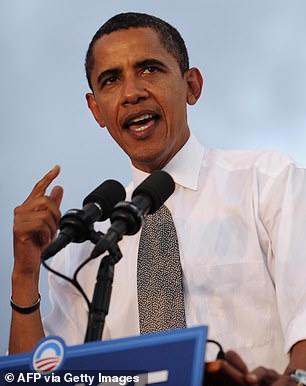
<point x="169" y="358"/>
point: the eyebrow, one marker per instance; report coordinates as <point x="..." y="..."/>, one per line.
<point x="140" y="64"/>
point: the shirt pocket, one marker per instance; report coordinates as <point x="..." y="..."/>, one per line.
<point x="234" y="300"/>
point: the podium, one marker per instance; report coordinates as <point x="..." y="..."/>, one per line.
<point x="169" y="358"/>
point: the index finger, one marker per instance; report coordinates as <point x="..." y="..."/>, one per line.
<point x="220" y="372"/>
<point x="41" y="186"/>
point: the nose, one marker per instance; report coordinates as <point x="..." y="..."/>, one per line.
<point x="133" y="90"/>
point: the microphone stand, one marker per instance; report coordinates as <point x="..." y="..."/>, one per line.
<point x="102" y="293"/>
<point x="98" y="308"/>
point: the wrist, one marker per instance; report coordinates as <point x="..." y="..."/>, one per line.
<point x="24" y="288"/>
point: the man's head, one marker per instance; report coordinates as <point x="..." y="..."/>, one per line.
<point x="140" y="92"/>
<point x="169" y="37"/>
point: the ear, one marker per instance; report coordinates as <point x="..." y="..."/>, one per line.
<point x="94" y="108"/>
<point x="195" y="83"/>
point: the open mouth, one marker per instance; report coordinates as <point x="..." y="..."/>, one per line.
<point x="141" y="122"/>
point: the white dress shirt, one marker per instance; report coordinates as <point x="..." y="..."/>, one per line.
<point x="241" y="223"/>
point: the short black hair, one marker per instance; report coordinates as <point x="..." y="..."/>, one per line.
<point x="169" y="36"/>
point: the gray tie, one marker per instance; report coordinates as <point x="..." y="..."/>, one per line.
<point x="159" y="275"/>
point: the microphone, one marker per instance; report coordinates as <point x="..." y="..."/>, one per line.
<point x="128" y="217"/>
<point x="76" y="224"/>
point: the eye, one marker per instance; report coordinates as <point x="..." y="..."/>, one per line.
<point x="110" y="80"/>
<point x="151" y="69"/>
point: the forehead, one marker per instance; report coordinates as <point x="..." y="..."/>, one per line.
<point x="131" y="45"/>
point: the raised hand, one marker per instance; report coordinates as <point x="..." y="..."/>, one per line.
<point x="35" y="224"/>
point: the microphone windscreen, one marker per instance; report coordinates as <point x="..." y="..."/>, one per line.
<point x="106" y="195"/>
<point x="158" y="186"/>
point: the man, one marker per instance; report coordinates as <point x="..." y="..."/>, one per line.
<point x="239" y="216"/>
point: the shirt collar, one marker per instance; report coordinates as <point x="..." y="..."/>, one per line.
<point x="184" y="167"/>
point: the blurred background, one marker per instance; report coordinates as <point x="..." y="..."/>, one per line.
<point x="252" y="55"/>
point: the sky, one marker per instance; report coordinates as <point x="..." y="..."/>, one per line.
<point x="252" y="55"/>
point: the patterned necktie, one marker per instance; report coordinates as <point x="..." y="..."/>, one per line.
<point x="159" y="275"/>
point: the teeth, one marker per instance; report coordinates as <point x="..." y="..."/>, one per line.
<point x="142" y="128"/>
<point x="141" y="118"/>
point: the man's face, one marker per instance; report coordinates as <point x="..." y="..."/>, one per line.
<point x="140" y="95"/>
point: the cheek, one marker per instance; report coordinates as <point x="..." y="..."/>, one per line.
<point x="107" y="113"/>
<point x="175" y="94"/>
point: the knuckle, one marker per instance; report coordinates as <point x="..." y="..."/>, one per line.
<point x="17" y="210"/>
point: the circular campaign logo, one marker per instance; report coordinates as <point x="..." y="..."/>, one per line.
<point x="48" y="355"/>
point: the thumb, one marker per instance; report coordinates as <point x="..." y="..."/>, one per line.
<point x="56" y="195"/>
